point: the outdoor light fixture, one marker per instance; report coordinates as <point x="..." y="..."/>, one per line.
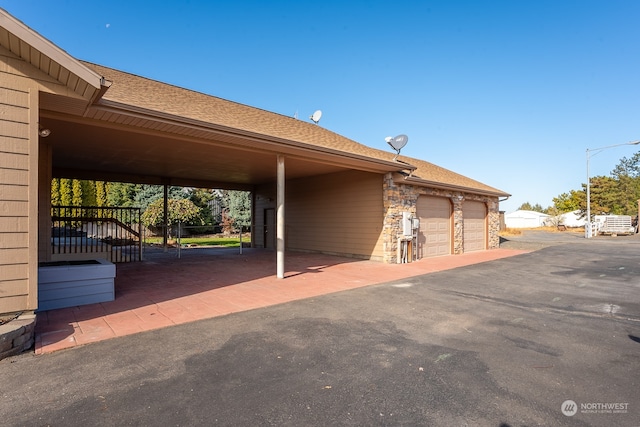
<point x="43" y="132"/>
<point x="587" y="226"/>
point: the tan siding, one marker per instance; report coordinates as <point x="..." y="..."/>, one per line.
<point x="13" y="145"/>
<point x="10" y="288"/>
<point x="14" y="161"/>
<point x="10" y="304"/>
<point x="13" y="208"/>
<point x="13" y="192"/>
<point x="11" y="113"/>
<point x="341" y="213"/>
<point x="14" y="224"/>
<point x="13" y="256"/>
<point x="18" y="206"/>
<point x="14" y="130"/>
<point x="14" y="271"/>
<point x="13" y="240"/>
<point x="12" y="97"/>
<point x="14" y="177"/>
<point x="32" y="296"/>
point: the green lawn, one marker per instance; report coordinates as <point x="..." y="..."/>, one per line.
<point x="229" y="242"/>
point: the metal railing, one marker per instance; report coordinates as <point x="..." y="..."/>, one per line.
<point x="86" y="232"/>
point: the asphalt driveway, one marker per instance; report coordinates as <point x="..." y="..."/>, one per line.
<point x="504" y="343"/>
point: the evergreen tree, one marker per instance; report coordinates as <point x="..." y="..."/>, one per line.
<point x="76" y="197"/>
<point x="203" y="198"/>
<point x="526" y="206"/>
<point x="121" y="194"/>
<point x="101" y="193"/>
<point x="627" y="175"/>
<point x="604" y="195"/>
<point x="55" y="192"/>
<point x="238" y="206"/>
<point x="66" y="192"/>
<point x="88" y="193"/>
<point x="145" y="194"/>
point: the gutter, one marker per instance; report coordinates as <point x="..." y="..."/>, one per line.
<point x="401" y="179"/>
<point x="97" y="96"/>
<point x="128" y="110"/>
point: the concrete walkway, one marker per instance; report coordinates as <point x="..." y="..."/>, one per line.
<point x="165" y="290"/>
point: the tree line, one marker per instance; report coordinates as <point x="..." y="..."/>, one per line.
<point x="188" y="206"/>
<point x="616" y="194"/>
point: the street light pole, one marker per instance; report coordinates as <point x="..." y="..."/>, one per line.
<point x="587" y="225"/>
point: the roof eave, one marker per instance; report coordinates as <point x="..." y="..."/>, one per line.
<point x="278" y="144"/>
<point x="44" y="46"/>
<point x="408" y="179"/>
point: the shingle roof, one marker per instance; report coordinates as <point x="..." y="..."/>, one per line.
<point x="151" y="95"/>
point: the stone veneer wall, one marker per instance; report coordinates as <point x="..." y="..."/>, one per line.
<point x="400" y="198"/>
<point x="18" y="335"/>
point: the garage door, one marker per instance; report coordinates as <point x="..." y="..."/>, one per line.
<point x="474" y="223"/>
<point x="434" y="238"/>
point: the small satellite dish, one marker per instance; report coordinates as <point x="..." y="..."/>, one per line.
<point x="397" y="143"/>
<point x="315" y="117"/>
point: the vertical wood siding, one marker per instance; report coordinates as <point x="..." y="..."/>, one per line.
<point x="340" y="213"/>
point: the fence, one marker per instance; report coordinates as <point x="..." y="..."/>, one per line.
<point x="81" y="232"/>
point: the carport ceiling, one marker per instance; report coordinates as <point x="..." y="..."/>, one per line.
<point x="90" y="149"/>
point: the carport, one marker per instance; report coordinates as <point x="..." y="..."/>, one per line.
<point x="172" y="136"/>
<point x="65" y="118"/>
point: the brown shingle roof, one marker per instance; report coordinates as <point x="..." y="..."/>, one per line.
<point x="151" y="95"/>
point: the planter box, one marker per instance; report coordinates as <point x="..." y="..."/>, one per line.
<point x="71" y="283"/>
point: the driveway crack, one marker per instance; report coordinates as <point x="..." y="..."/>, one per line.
<point x="547" y="309"/>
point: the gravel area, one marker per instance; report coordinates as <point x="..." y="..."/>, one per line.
<point x="538" y="239"/>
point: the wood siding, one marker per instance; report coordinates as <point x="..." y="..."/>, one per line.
<point x="18" y="290"/>
<point x="340" y="213"/>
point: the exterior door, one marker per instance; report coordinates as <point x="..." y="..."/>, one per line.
<point x="434" y="238"/>
<point x="270" y="228"/>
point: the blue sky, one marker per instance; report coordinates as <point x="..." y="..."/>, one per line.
<point x="510" y="93"/>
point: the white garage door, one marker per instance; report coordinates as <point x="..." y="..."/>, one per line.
<point x="474" y="223"/>
<point x="434" y="238"/>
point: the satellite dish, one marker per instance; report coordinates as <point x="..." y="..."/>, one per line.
<point x="397" y="142"/>
<point x="315" y="117"/>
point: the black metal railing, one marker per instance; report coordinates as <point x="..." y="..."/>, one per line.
<point x="89" y="231"/>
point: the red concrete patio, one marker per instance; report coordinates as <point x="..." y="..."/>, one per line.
<point x="165" y="290"/>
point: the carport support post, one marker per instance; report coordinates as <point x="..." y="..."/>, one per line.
<point x="165" y="212"/>
<point x="280" y="219"/>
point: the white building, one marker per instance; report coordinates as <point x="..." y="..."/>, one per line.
<point x="572" y="219"/>
<point x="525" y="219"/>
